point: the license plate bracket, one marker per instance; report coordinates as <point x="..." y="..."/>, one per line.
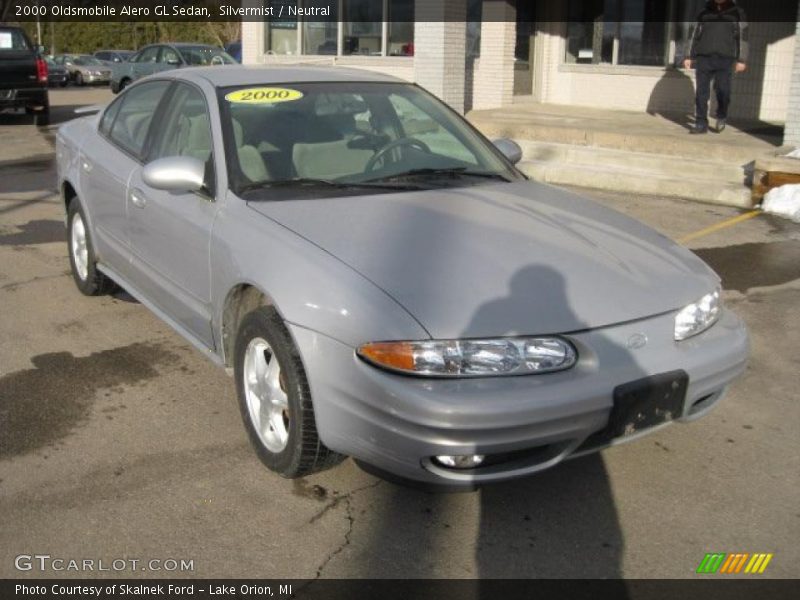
<point x="642" y="404"/>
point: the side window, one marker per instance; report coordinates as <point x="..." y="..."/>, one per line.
<point x="129" y="130"/>
<point x="169" y="56"/>
<point x="108" y="117"/>
<point x="185" y="129"/>
<point x="149" y="55"/>
<point x="101" y="55"/>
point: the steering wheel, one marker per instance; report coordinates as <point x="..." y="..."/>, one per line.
<point x="398" y="143"/>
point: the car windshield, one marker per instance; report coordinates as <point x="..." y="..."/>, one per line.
<point x="205" y="55"/>
<point x="86" y="61"/>
<point x="346" y="136"/>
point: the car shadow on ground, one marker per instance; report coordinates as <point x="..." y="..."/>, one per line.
<point x="561" y="523"/>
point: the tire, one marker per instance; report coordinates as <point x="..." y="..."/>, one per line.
<point x="89" y="281"/>
<point x="63" y="84"/>
<point x="263" y="334"/>
<point x="124" y="83"/>
<point x="41" y="118"/>
<point x="79" y="79"/>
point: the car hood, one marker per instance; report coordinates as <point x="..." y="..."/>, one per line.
<point x="502" y="259"/>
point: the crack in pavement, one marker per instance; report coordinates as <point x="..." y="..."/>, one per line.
<point x="337" y="500"/>
<point x="14" y="285"/>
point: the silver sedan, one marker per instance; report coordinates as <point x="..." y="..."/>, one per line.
<point x="84" y="69"/>
<point x="380" y="279"/>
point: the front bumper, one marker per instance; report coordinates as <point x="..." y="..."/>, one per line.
<point x="397" y="423"/>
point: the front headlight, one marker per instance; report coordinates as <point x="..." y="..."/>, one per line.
<point x="472" y="358"/>
<point x="698" y="316"/>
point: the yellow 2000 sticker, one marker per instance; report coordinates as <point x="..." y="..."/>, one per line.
<point x="263" y="95"/>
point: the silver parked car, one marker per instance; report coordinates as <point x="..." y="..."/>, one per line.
<point x="380" y="279"/>
<point x="84" y="68"/>
<point x="157" y="58"/>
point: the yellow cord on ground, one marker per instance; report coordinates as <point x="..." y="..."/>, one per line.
<point x="718" y="226"/>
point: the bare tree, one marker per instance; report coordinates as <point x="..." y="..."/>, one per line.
<point x="224" y="32"/>
<point x="5" y="8"/>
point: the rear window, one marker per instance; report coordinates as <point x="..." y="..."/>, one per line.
<point x="13" y="40"/>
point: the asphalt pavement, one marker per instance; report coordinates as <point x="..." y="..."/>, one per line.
<point x="121" y="442"/>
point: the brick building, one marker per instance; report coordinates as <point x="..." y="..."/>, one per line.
<point x="478" y="54"/>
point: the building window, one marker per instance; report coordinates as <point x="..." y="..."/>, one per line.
<point x="321" y="37"/>
<point x="629" y="32"/>
<point x="280" y="34"/>
<point x="363" y="30"/>
<point x="401" y="28"/>
<point x="363" y="25"/>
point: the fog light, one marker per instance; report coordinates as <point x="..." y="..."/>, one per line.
<point x="469" y="461"/>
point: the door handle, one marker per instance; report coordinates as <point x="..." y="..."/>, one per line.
<point x="138" y="199"/>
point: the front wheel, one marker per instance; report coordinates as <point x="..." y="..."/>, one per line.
<point x="83" y="264"/>
<point x="275" y="399"/>
<point x="79" y="79"/>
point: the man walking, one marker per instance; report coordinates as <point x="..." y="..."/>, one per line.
<point x="717" y="47"/>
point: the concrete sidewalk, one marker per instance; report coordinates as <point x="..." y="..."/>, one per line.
<point x="631" y="151"/>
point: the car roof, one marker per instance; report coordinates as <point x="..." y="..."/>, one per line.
<point x="180" y="45"/>
<point x="231" y="75"/>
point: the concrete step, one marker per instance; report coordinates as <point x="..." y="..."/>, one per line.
<point x="658" y="165"/>
<point x="637" y="181"/>
<point x="730" y="146"/>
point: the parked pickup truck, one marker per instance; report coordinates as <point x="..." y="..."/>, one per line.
<point x="23" y="75"/>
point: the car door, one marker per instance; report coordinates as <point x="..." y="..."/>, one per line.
<point x="146" y="62"/>
<point x="107" y="160"/>
<point x="171" y="232"/>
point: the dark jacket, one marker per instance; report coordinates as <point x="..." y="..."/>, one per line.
<point x="719" y="33"/>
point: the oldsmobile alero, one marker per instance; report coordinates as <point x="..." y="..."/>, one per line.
<point x="381" y="281"/>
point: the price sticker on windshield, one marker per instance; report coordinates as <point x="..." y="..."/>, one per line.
<point x="263" y="95"/>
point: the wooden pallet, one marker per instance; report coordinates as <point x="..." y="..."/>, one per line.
<point x="769" y="174"/>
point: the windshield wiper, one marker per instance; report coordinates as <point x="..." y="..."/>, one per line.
<point x="309" y="181"/>
<point x="451" y="171"/>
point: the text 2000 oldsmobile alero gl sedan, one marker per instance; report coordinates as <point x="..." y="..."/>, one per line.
<point x="382" y="281"/>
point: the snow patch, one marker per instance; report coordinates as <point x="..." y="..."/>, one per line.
<point x="783" y="201"/>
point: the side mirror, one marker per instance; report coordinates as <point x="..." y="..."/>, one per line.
<point x="510" y="149"/>
<point x="175" y="174"/>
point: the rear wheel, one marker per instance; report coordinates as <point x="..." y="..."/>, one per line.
<point x="41" y="117"/>
<point x="83" y="264"/>
<point x="41" y="114"/>
<point x="275" y="399"/>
